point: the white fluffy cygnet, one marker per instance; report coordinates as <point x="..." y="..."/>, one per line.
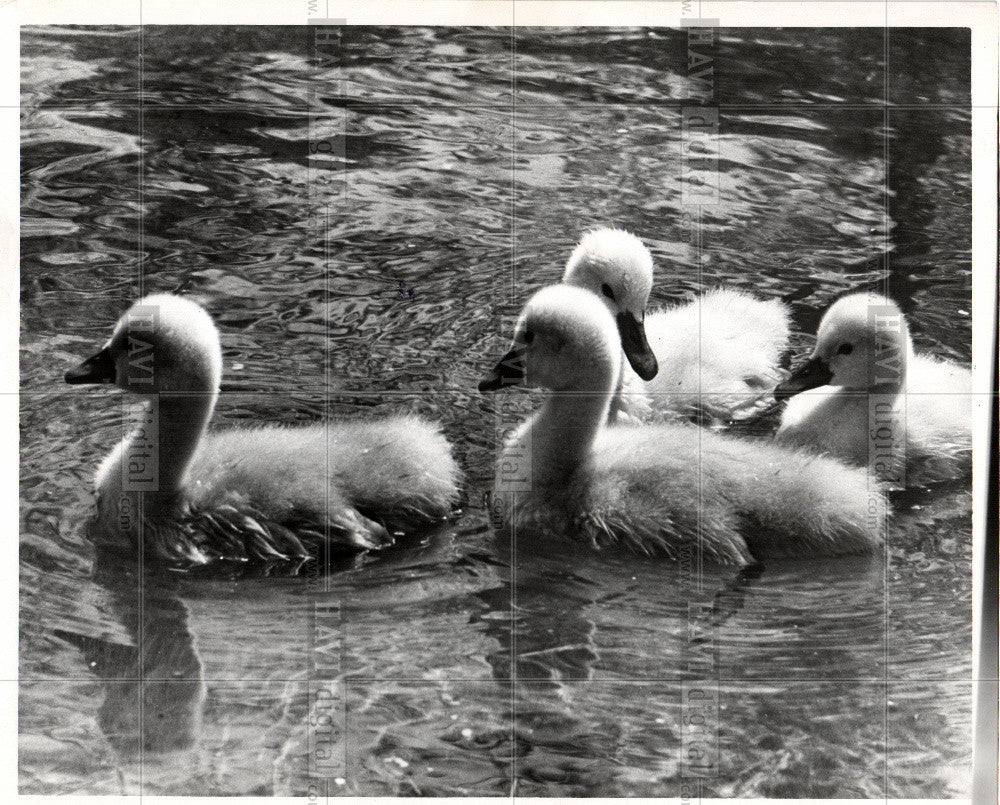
<point x="867" y="398"/>
<point x="186" y="494"/>
<point x="716" y="354"/>
<point x="665" y="489"/>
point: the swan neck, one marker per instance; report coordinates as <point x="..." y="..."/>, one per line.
<point x="562" y="434"/>
<point x="183" y="421"/>
<point x="159" y="451"/>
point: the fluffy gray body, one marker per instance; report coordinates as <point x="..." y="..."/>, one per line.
<point x="268" y="493"/>
<point x="659" y="488"/>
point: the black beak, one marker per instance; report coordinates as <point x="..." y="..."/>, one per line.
<point x="812" y="374"/>
<point x="508" y="372"/>
<point x="98" y="369"/>
<point x="636" y="346"/>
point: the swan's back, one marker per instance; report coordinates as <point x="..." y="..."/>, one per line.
<point x="929" y="375"/>
<point x="937" y="411"/>
<point x="719" y="352"/>
<point x="399" y="471"/>
<point x="672" y="489"/>
<point x="942" y="393"/>
<point x="278" y="494"/>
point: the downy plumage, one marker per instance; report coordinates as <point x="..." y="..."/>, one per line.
<point x="667" y="488"/>
<point x="268" y="493"/>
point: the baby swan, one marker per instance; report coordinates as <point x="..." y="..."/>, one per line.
<point x="657" y="489"/>
<point x="717" y="354"/>
<point x="877" y="404"/>
<point x="268" y="493"/>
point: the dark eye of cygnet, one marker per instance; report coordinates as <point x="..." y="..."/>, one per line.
<point x="528" y="337"/>
<point x="606" y="290"/>
<point x="845" y="349"/>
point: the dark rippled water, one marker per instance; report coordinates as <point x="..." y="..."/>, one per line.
<point x="408" y="194"/>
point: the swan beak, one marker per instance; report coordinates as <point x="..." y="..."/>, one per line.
<point x="508" y="372"/>
<point x="636" y="347"/>
<point x="97" y="369"/>
<point x="812" y="374"/>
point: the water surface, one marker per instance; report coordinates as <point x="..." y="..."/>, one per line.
<point x="361" y="230"/>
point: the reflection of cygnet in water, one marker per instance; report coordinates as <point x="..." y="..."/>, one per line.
<point x="154" y="694"/>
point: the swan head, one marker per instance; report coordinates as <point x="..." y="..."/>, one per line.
<point x="615" y="265"/>
<point x="565" y="340"/>
<point x="862" y="343"/>
<point x="163" y="343"/>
